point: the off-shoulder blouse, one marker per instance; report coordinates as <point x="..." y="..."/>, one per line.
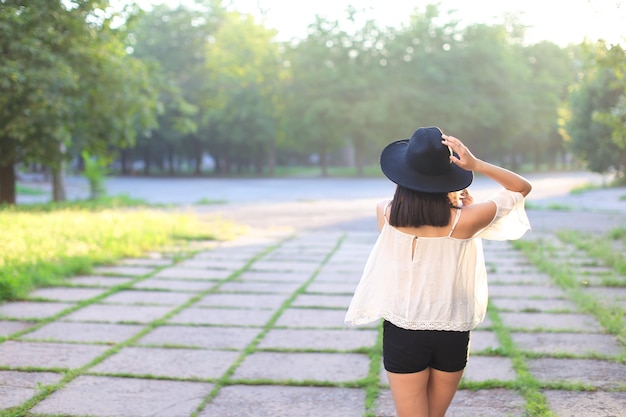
<point x="442" y="284"/>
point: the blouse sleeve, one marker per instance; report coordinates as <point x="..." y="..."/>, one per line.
<point x="510" y="221"/>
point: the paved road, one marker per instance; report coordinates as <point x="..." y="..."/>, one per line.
<point x="188" y="191"/>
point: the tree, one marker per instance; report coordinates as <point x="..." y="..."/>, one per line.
<point x="595" y="126"/>
<point x="67" y="82"/>
<point x="241" y="92"/>
<point x="174" y="42"/>
<point x="316" y="106"/>
<point x="552" y="72"/>
<point x="614" y="60"/>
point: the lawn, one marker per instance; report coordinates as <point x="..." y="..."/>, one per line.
<point x="42" y="247"/>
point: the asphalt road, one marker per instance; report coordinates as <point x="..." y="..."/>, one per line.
<point x="187" y="191"/>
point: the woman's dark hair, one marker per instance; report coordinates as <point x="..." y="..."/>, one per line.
<point x="414" y="208"/>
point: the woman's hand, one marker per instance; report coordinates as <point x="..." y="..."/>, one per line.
<point x="466" y="159"/>
<point x="466" y="198"/>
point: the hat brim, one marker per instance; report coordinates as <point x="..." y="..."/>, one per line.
<point x="394" y="166"/>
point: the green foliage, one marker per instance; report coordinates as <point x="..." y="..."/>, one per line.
<point x="596" y="120"/>
<point x="99" y="204"/>
<point x="95" y="172"/>
<point x="169" y="84"/>
<point x="66" y="80"/>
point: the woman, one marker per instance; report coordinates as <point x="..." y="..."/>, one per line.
<point x="426" y="274"/>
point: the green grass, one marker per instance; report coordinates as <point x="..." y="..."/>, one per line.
<point x="42" y="246"/>
<point x="601" y="247"/>
<point x="207" y="201"/>
<point x="119" y="201"/>
<point x="610" y="317"/>
<point x="22" y="189"/>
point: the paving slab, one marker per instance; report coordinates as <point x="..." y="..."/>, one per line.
<point x="17" y="387"/>
<point x="156" y="261"/>
<point x="201" y="336"/>
<point x="532" y="304"/>
<point x="261" y="287"/>
<point x="570" y="343"/>
<point x="84" y="332"/>
<point x="310" y="317"/>
<point x="223" y="316"/>
<point x="277" y="266"/>
<point x="318" y="340"/>
<point x="551" y="321"/>
<point x="274" y="276"/>
<point x="31" y="309"/>
<point x="482" y="403"/>
<point x="98" y="281"/>
<point x="488" y="368"/>
<point x="286" y="401"/>
<point x="47" y="355"/>
<point x="485" y="324"/>
<point x="533" y="278"/>
<point x="344" y="268"/>
<point x="174" y="285"/>
<point x="594" y="270"/>
<point x="317" y="287"/>
<point x="118" y="313"/>
<point x="133" y="271"/>
<point x="230" y="254"/>
<point x="293" y="256"/>
<point x="607" y="293"/>
<point x="10" y="327"/>
<point x="148" y="297"/>
<point x="263" y="301"/>
<point x="586" y="404"/>
<point x="303" y="366"/>
<point x="600" y="374"/>
<point x="223" y="264"/>
<point x="525" y="291"/>
<point x="125" y="397"/>
<point x="172" y="363"/>
<point x="322" y="300"/>
<point x="338" y="277"/>
<point x="481" y="340"/>
<point x="178" y="272"/>
<point x="66" y="293"/>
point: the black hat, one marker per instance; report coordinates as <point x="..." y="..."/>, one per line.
<point x="422" y="163"/>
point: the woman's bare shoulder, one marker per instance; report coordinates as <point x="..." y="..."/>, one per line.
<point x="474" y="218"/>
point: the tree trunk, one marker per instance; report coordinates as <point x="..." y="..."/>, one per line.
<point x="324" y="163"/>
<point x="170" y="159"/>
<point x="197" y="143"/>
<point x="124" y="161"/>
<point x="271" y="158"/>
<point x="7" y="184"/>
<point x="58" y="183"/>
<point x="359" y="154"/>
<point x="147" y="160"/>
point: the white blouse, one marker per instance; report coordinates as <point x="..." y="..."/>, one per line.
<point x="442" y="285"/>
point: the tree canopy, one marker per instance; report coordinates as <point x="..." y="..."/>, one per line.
<point x="171" y="86"/>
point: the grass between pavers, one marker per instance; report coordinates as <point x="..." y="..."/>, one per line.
<point x="370" y="383"/>
<point x="70" y="374"/>
<point x="41" y="247"/>
<point x="601" y="247"/>
<point x="611" y="317"/>
<point x="542" y="255"/>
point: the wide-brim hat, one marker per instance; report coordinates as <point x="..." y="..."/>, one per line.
<point x="422" y="163"/>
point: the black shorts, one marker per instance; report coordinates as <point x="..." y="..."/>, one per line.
<point x="408" y="351"/>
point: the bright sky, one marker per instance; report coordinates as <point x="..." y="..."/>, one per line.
<point x="560" y="21"/>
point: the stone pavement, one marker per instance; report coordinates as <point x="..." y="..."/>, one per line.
<point x="254" y="327"/>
